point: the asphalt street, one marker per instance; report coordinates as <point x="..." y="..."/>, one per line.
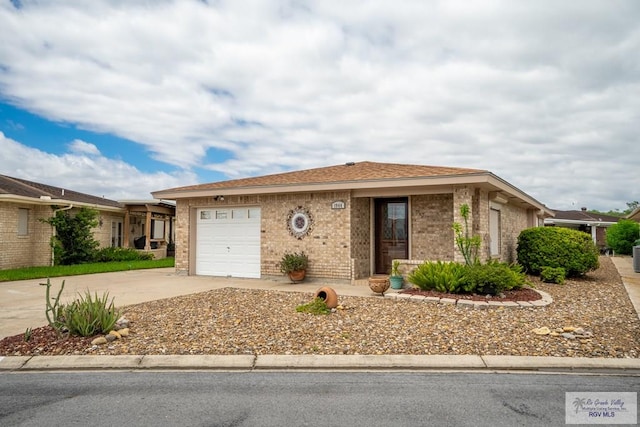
<point x="284" y="398"/>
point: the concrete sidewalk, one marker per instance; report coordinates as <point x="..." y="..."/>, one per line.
<point x="22" y="306"/>
<point x="630" y="278"/>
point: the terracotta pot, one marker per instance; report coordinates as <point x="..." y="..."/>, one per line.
<point x="379" y="283"/>
<point x="328" y="295"/>
<point x="297" y="276"/>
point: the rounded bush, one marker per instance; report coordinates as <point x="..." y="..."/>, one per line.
<point x="622" y="236"/>
<point x="493" y="278"/>
<point x="557" y="247"/>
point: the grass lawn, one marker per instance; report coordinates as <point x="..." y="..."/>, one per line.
<point x="74" y="270"/>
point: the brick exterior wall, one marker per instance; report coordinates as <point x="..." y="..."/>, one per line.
<point x="34" y="249"/>
<point x="103" y="233"/>
<point x="481" y="222"/>
<point x="361" y="237"/>
<point x="512" y="221"/>
<point x="327" y="244"/>
<point x="339" y="244"/>
<point x="31" y="250"/>
<point x="431" y="233"/>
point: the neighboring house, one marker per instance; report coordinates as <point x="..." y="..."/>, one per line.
<point x="151" y="225"/>
<point x="352" y="220"/>
<point x="26" y="240"/>
<point x="595" y="224"/>
<point x="635" y="215"/>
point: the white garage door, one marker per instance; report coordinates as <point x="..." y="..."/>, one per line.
<point x="228" y="242"/>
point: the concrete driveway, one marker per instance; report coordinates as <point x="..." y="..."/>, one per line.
<point x="22" y="303"/>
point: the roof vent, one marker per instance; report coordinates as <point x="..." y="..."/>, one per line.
<point x="350" y="163"/>
<point x="583" y="209"/>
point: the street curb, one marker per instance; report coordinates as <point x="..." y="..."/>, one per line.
<point x="368" y="362"/>
<point x="199" y="362"/>
<point x="573" y="364"/>
<point x="321" y="362"/>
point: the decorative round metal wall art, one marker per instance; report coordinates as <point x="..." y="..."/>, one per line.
<point x="299" y="222"/>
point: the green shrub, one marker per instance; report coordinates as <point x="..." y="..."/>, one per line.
<point x="317" y="306"/>
<point x="438" y="276"/>
<point x="493" y="278"/>
<point x="121" y="254"/>
<point x="553" y="275"/>
<point x="295" y="261"/>
<point x="73" y="241"/>
<point x="622" y="236"/>
<point x="89" y="315"/>
<point x="557" y="247"/>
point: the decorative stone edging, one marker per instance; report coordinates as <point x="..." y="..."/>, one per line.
<point x="546" y="300"/>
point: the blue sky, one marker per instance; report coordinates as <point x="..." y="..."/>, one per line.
<point x="543" y="94"/>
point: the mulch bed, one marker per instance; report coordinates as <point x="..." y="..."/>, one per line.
<point x="525" y="294"/>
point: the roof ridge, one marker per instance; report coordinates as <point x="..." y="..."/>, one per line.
<point x="39" y="189"/>
<point x="346" y="172"/>
<point x="25" y="184"/>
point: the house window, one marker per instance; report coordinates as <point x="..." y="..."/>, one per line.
<point x="494" y="231"/>
<point x="116" y="234"/>
<point x="23" y="222"/>
<point x="239" y="213"/>
<point x="157" y="229"/>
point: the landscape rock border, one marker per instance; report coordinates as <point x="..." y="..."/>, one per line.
<point x="543" y="302"/>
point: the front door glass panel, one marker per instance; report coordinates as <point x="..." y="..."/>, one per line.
<point x="391" y="233"/>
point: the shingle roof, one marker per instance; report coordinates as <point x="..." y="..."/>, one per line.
<point x="349" y="172"/>
<point x="585" y="216"/>
<point x="24" y="188"/>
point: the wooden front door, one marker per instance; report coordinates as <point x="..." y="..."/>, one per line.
<point x="391" y="233"/>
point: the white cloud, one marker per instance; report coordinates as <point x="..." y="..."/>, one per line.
<point x="81" y="147"/>
<point x="540" y="93"/>
<point x="89" y="173"/>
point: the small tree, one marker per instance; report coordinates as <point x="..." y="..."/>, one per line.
<point x="622" y="235"/>
<point x="468" y="245"/>
<point x="73" y="242"/>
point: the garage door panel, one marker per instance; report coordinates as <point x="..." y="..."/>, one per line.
<point x="228" y="242"/>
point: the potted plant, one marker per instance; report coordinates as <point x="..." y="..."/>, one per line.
<point x="396" y="278"/>
<point x="295" y="265"/>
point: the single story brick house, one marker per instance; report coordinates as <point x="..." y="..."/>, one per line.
<point x="351" y="219"/>
<point x="26" y="239"/>
<point x="595" y="224"/>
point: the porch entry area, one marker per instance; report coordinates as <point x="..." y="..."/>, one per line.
<point x="391" y="232"/>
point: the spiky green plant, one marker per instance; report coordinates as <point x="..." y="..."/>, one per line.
<point x="53" y="309"/>
<point x="89" y="315"/>
<point x="468" y="245"/>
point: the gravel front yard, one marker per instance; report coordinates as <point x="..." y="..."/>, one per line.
<point x="238" y="321"/>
